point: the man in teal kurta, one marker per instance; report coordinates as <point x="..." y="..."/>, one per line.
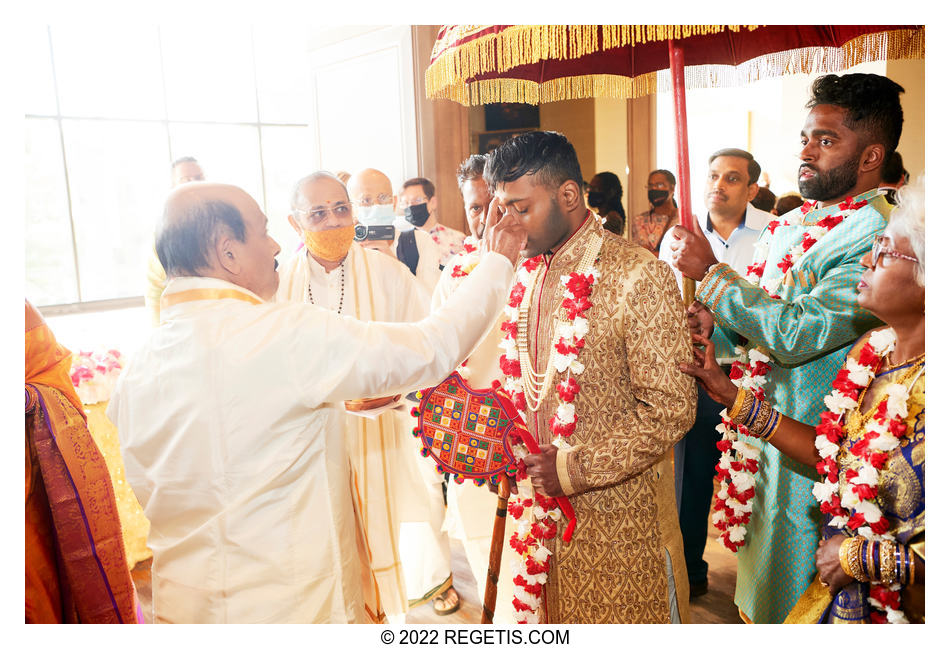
<point x="853" y="127"/>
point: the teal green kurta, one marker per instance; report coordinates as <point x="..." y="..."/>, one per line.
<point x="807" y="332"/>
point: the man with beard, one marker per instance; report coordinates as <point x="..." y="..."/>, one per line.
<point x="797" y="304"/>
<point x="611" y="310"/>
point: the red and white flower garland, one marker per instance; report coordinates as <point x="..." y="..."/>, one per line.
<point x="738" y="463"/>
<point x="537" y="516"/>
<point x="810" y="237"/>
<point x="468" y="258"/>
<point x="854" y="506"/>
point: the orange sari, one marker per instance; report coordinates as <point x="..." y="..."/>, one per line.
<point x="75" y="560"/>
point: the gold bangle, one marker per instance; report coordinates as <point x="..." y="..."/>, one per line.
<point x="901" y="575"/>
<point x="762" y="414"/>
<point x="869" y="562"/>
<point x="854" y="559"/>
<point x="913" y="564"/>
<point x="737" y="404"/>
<point x="843" y="556"/>
<point x="777" y="421"/>
<point x="888" y="561"/>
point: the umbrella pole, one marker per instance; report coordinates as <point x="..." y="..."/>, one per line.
<point x="494" y="555"/>
<point x="678" y="79"/>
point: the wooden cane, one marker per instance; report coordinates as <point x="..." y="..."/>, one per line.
<point x="494" y="556"/>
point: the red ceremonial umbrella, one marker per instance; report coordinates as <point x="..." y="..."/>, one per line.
<point x="532" y="64"/>
<point x="482" y="64"/>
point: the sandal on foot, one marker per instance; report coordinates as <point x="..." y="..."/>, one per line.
<point x="439" y="602"/>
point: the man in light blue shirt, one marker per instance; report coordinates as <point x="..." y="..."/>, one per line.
<point x="732" y="226"/>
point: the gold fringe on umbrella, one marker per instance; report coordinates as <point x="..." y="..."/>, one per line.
<point x="519" y="45"/>
<point x="880" y="46"/>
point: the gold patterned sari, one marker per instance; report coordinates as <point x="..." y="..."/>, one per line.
<point x="900" y="497"/>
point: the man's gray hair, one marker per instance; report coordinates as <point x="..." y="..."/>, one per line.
<point x="907" y="220"/>
<point x="183" y="242"/>
<point x="296" y="195"/>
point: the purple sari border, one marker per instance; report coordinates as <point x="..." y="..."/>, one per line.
<point x="82" y="511"/>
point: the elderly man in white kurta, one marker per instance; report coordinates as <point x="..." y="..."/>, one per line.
<point x="228" y="418"/>
<point x="334" y="272"/>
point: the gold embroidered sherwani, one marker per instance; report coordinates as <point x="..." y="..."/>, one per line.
<point x="633" y="405"/>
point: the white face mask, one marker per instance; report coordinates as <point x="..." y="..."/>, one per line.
<point x="376" y="214"/>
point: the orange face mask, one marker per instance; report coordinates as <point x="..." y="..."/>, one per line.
<point x="329" y="245"/>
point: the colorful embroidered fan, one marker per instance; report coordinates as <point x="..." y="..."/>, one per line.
<point x="469" y="434"/>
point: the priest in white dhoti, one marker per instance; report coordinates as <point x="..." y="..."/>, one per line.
<point x="395" y="492"/>
<point x="472" y="508"/>
<point x="229" y="421"/>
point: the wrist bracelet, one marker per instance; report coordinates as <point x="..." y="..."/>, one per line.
<point x="843" y="556"/>
<point x="762" y="420"/>
<point x="856" y="558"/>
<point x="900" y="558"/>
<point x="888" y="561"/>
<point x="736" y="407"/>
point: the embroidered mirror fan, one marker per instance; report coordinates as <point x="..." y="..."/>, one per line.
<point x="469" y="434"/>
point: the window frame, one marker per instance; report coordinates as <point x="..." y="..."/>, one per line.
<point x="90" y="306"/>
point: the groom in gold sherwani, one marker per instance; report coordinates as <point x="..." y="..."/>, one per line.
<point x="625" y="561"/>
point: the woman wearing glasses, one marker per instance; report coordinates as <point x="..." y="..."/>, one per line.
<point x="869" y="448"/>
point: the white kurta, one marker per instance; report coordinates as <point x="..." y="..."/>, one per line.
<point x="472" y="508"/>
<point x="226" y="423"/>
<point x="391" y="489"/>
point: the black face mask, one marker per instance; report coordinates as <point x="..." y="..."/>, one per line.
<point x="417" y="215"/>
<point x="657" y="196"/>
<point x="596" y="199"/>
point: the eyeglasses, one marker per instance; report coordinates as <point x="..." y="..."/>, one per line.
<point x="878" y="250"/>
<point x="340" y="210"/>
<point x="379" y="199"/>
<point x="657" y="186"/>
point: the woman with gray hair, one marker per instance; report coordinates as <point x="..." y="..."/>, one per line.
<point x="869" y="448"/>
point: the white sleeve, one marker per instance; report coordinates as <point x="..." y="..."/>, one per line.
<point x="339" y="358"/>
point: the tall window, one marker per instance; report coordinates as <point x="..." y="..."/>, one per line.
<point x="108" y="111"/>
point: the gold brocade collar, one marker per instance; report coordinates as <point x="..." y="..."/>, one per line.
<point x="192" y="289"/>
<point x="573" y="249"/>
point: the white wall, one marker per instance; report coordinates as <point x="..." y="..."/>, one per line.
<point x="365" y="115"/>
